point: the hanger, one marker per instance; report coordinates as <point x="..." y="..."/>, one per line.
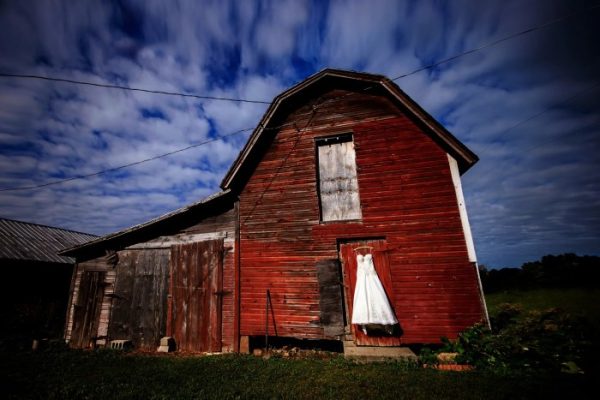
<point x="363" y="247"/>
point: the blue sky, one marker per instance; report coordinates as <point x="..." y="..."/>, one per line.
<point x="535" y="191"/>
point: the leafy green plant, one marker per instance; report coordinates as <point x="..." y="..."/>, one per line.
<point x="551" y="340"/>
<point x="548" y="339"/>
<point x="428" y="356"/>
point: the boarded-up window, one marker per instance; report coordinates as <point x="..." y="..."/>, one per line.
<point x="338" y="185"/>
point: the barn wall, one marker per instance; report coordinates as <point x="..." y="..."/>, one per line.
<point x="407" y="197"/>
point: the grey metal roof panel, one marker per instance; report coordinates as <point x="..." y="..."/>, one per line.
<point x="27" y="241"/>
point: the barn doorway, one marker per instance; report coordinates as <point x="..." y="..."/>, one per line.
<point x="348" y="257"/>
<point x="140" y="297"/>
<point x="196" y="290"/>
<point x="87" y="309"/>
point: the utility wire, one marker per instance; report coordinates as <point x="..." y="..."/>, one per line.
<point x="495" y="42"/>
<point x="206" y="97"/>
<point x="135" y="89"/>
<point x="104" y="171"/>
<point x="534" y="116"/>
<point x="471" y="51"/>
<point x="562" y="103"/>
<point x="291" y="123"/>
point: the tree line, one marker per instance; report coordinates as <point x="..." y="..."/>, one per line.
<point x="551" y="271"/>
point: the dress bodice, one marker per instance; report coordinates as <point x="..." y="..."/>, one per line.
<point x="365" y="264"/>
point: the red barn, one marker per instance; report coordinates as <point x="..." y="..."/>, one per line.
<point x="341" y="164"/>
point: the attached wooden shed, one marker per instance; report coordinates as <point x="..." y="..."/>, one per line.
<point x="172" y="276"/>
<point x="343" y="162"/>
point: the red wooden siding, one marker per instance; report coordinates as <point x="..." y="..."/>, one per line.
<point x="223" y="222"/>
<point x="196" y="283"/>
<point x="407" y="197"/>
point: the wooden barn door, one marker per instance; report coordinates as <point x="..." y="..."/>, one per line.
<point x="380" y="259"/>
<point x="140" y="297"/>
<point x="87" y="309"/>
<point x="196" y="290"/>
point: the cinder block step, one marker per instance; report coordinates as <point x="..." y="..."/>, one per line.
<point x="376" y="353"/>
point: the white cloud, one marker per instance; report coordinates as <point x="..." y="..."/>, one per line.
<point x="534" y="183"/>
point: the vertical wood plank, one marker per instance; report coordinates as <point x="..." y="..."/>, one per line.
<point x="140" y="297"/>
<point x="330" y="297"/>
<point x="197" y="279"/>
<point x="87" y="309"/>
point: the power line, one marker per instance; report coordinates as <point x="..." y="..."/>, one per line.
<point x="104" y="171"/>
<point x="134" y="89"/>
<point x="291" y="123"/>
<point x="562" y="103"/>
<point x="534" y="116"/>
<point x="495" y="42"/>
<point x="207" y="97"/>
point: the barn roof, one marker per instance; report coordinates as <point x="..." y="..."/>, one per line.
<point x="147" y="230"/>
<point x="340" y="79"/>
<point x="32" y="242"/>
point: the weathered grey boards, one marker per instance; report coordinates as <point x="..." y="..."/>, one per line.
<point x="157" y="292"/>
<point x="87" y="309"/>
<point x="140" y="298"/>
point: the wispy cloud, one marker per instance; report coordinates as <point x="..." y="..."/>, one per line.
<point x="534" y="191"/>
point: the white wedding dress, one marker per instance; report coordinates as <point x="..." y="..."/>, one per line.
<point x="371" y="305"/>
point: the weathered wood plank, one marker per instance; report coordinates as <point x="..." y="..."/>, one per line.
<point x="330" y="297"/>
<point x="87" y="309"/>
<point x="197" y="291"/>
<point x="140" y="298"/>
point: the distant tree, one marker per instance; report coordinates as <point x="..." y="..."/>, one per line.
<point x="558" y="271"/>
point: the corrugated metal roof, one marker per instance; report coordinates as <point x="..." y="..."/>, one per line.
<point x="26" y="241"/>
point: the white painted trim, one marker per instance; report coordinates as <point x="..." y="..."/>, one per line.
<point x="464" y="219"/>
<point x="164" y="242"/>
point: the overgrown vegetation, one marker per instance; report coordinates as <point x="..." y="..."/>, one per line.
<point x="549" y="340"/>
<point x="544" y="317"/>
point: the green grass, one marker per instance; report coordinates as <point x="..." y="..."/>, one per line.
<point x="574" y="301"/>
<point x="67" y="374"/>
<point x="104" y="374"/>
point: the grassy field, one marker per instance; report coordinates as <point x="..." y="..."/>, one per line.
<point x="104" y="374"/>
<point x="66" y="374"/>
<point x="575" y="301"/>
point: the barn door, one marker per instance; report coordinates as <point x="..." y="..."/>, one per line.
<point x="140" y="297"/>
<point x="196" y="289"/>
<point x="87" y="309"/>
<point x="380" y="259"/>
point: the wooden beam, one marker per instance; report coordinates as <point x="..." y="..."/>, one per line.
<point x="165" y="242"/>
